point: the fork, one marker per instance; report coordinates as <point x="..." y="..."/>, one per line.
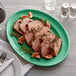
<point x="2" y="58"/>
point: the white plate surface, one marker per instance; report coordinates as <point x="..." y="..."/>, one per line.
<point x="14" y="69"/>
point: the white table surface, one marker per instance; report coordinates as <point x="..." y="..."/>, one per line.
<point x="68" y="66"/>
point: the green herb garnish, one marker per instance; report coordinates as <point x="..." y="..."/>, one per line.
<point x="16" y="34"/>
<point x="45" y="34"/>
<point x="28" y="51"/>
<point x="51" y="47"/>
<point x="42" y="20"/>
<point x="56" y="39"/>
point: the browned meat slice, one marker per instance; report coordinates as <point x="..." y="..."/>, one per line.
<point x="35" y="25"/>
<point x="56" y="47"/>
<point x="16" y="26"/>
<point x="28" y="37"/>
<point x="42" y="31"/>
<point x="24" y="24"/>
<point x="48" y="37"/>
<point x="44" y="49"/>
<point x="36" y="45"/>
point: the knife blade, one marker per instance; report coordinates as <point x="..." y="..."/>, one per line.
<point x="6" y="64"/>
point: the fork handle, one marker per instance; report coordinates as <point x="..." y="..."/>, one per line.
<point x="4" y="65"/>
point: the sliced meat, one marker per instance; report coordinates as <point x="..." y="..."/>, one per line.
<point x="24" y="24"/>
<point x="44" y="43"/>
<point x="48" y="37"/>
<point x="40" y="33"/>
<point x="44" y="49"/>
<point x="28" y="37"/>
<point x="35" y="25"/>
<point x="17" y="25"/>
<point x="56" y="47"/>
<point x="36" y="45"/>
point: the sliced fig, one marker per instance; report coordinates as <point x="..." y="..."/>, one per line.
<point x="30" y="15"/>
<point x="21" y="40"/>
<point x="49" y="56"/>
<point x="47" y="24"/>
<point x="22" y="17"/>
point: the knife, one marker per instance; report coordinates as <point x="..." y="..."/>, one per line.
<point x="6" y="64"/>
